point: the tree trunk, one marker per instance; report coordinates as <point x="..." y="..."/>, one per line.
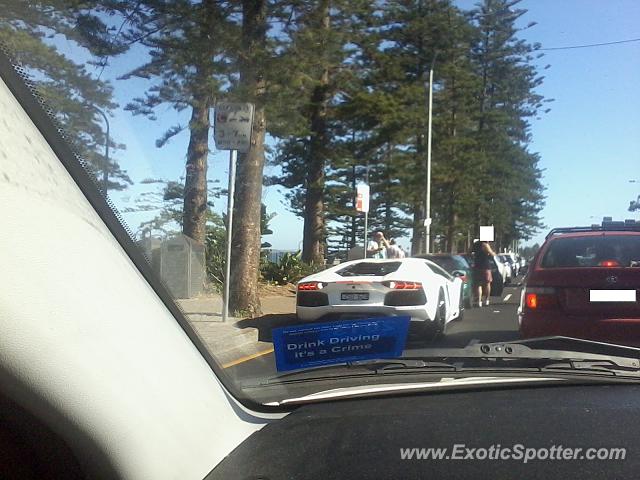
<point x="388" y="213"/>
<point x="417" y="239"/>
<point x="451" y="227"/>
<point x="194" y="216"/>
<point x="313" y="241"/>
<point x="314" y="222"/>
<point x="194" y="212"/>
<point x="245" y="244"/>
<point x="477" y="221"/>
<point x="485" y="80"/>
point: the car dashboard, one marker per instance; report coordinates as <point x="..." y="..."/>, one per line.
<point x="367" y="438"/>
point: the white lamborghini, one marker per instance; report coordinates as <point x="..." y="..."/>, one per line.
<point x="364" y="288"/>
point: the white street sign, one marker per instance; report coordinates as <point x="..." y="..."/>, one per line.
<point x="362" y="197"/>
<point x="232" y="126"/>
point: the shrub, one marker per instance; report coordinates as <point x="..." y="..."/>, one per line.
<point x="289" y="269"/>
<point x="215" y="252"/>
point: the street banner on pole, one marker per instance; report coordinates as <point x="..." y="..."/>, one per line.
<point x="362" y="205"/>
<point x="232" y="126"/>
<point x="231" y="131"/>
<point x="362" y="197"/>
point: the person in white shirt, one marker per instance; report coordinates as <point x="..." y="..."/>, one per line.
<point x="377" y="247"/>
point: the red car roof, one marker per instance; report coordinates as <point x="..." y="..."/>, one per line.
<point x="594" y="233"/>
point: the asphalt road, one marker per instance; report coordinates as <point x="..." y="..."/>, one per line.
<point x="497" y="322"/>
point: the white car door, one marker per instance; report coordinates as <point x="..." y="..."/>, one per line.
<point x="446" y="281"/>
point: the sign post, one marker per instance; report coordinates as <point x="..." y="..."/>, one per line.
<point x="231" y="131"/>
<point x="233" y="157"/>
<point x="362" y="205"/>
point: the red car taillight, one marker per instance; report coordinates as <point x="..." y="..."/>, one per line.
<point x="609" y="263"/>
<point x="401" y="285"/>
<point x="540" y="298"/>
<point x="306" y="286"/>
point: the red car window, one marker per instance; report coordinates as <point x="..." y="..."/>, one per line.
<point x="593" y="251"/>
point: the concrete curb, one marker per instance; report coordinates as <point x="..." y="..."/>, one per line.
<point x="229" y="342"/>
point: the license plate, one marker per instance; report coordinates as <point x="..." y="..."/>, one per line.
<point x="354" y="296"/>
<point x="612" y="295"/>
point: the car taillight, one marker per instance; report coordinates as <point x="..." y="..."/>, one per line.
<point x="609" y="263"/>
<point x="401" y="285"/>
<point x="306" y="286"/>
<point x="463" y="278"/>
<point x="538" y="298"/>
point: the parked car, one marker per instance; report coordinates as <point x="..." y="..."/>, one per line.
<point x="456" y="265"/>
<point x="584" y="282"/>
<point x="497" y="286"/>
<point x="411" y="286"/>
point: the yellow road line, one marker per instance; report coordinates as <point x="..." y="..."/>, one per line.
<point x="246" y="358"/>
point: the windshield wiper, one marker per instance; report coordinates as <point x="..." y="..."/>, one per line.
<point x="547" y="348"/>
<point x="547" y="354"/>
<point x="369" y="366"/>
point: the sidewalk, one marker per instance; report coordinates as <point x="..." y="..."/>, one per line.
<point x="238" y="338"/>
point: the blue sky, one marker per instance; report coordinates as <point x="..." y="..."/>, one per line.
<point x="589" y="142"/>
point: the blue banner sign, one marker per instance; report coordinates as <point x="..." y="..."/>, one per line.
<point x="312" y="345"/>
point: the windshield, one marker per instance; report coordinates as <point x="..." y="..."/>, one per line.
<point x="369" y="268"/>
<point x="252" y="148"/>
<point x="449" y="263"/>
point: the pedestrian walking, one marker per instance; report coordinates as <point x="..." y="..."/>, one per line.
<point x="482" y="265"/>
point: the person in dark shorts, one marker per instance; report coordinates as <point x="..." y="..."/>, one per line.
<point x="482" y="260"/>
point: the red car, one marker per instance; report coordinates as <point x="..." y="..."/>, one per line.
<point x="584" y="282"/>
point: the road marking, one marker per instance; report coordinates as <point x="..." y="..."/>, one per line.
<point x="246" y="358"/>
<point x="506" y="298"/>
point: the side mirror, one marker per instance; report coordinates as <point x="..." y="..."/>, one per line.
<point x="458" y="273"/>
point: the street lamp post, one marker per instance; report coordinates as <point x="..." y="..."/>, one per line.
<point x="429" y="124"/>
<point x="105" y="170"/>
<point x="366" y="217"/>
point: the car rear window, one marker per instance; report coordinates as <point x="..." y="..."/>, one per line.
<point x="449" y="263"/>
<point x="605" y="251"/>
<point x="373" y="269"/>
